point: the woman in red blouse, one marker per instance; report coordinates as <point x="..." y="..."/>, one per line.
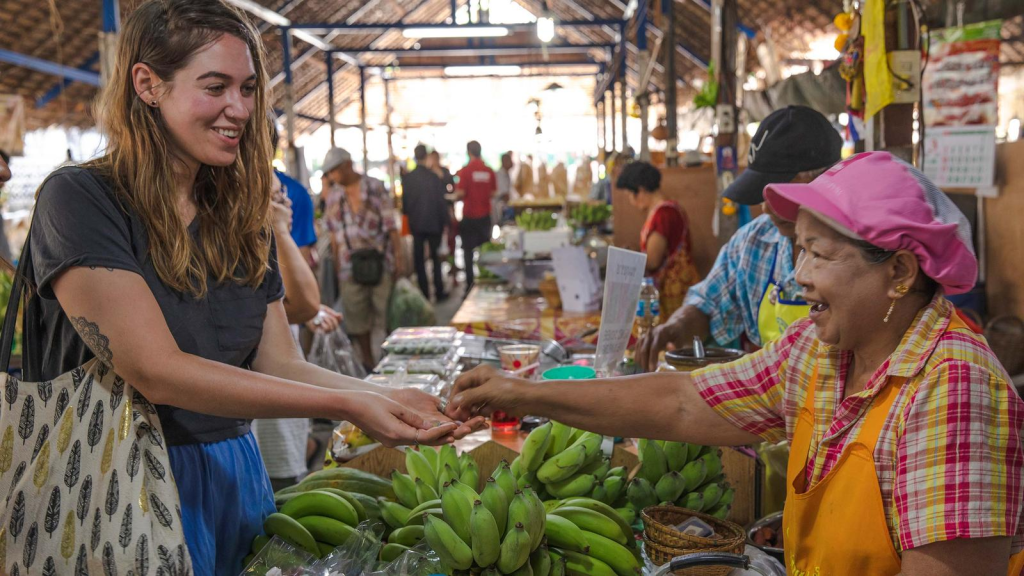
<point x="665" y="237"/>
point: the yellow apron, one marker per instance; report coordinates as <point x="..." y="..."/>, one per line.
<point x="838" y="527"/>
<point x="776" y="313"/>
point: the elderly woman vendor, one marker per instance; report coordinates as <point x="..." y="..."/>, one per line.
<point x="906" y="437"/>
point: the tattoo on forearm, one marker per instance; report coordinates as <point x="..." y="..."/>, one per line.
<point x="97" y="342"/>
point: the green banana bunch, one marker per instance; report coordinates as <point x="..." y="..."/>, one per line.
<point x="327" y="530"/>
<point x="515" y="549"/>
<point x="615" y="555"/>
<point x="670" y="487"/>
<point x="457" y="508"/>
<point x="692" y="501"/>
<point x="290" y="531"/>
<point x="641" y="494"/>
<point x="405" y="489"/>
<point x="694" y="473"/>
<point x="535" y="447"/>
<point x="486" y="539"/>
<point x="592" y="521"/>
<point x="564" y="534"/>
<point x="652" y="461"/>
<point x="562" y="465"/>
<point x="506" y="480"/>
<point x="493" y="498"/>
<point x="323" y="504"/>
<point x="609" y="512"/>
<point x="577" y="564"/>
<point x="347" y="479"/>
<point x="453" y="551"/>
<point x="406" y="536"/>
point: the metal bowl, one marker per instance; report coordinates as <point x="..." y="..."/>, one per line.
<point x="773" y="521"/>
<point x="684" y="358"/>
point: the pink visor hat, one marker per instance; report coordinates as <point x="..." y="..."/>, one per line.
<point x="889" y="203"/>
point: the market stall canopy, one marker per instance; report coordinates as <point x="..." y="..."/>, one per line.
<point x="64" y="33"/>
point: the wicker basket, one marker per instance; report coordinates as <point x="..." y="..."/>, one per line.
<point x="663" y="542"/>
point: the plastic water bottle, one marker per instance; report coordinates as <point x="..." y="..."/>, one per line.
<point x="648" y="308"/>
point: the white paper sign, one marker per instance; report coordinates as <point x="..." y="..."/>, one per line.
<point x="960" y="156"/>
<point x="578" y="287"/>
<point x="625" y="275"/>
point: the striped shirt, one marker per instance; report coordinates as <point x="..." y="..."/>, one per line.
<point x="950" y="457"/>
<point x="732" y="292"/>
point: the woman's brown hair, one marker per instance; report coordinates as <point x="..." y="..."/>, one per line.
<point x="232" y="201"/>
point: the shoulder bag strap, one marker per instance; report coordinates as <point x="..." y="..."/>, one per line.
<point x="11" y="319"/>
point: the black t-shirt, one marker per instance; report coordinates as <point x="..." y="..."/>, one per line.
<point x="80" y="222"/>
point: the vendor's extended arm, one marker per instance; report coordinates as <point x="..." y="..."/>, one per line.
<point x="976" y="556"/>
<point x="278" y="356"/>
<point x="119" y="319"/>
<point x="658" y="406"/>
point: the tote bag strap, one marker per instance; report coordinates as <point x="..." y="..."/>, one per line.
<point x="11" y="319"/>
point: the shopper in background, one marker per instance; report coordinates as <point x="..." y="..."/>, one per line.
<point x="158" y="260"/>
<point x="5" y="246"/>
<point x="751" y="289"/>
<point x="475" y="187"/>
<point x="501" y="212"/>
<point x="423" y="202"/>
<point x="665" y="236"/>
<point x="907" y="439"/>
<point x="601" y="191"/>
<point x="366" y="245"/>
<point x="452" y="230"/>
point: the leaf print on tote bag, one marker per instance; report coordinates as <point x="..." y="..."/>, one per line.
<point x="74" y="468"/>
<point x="7" y="450"/>
<point x="18" y="516"/>
<point x="113" y="495"/>
<point x="84" y="499"/>
<point x="95" y="426"/>
<point x="52" y="520"/>
<point x="62" y="403"/>
<point x="43" y="436"/>
<point x="42" y="473"/>
<point x="45" y="392"/>
<point x="28" y="553"/>
<point x="27" y="424"/>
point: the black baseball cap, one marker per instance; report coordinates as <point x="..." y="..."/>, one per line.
<point x="789" y="141"/>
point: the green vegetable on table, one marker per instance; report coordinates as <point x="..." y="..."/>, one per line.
<point x="536" y="220"/>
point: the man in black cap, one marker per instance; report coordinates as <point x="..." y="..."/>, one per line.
<point x="751" y="289"/>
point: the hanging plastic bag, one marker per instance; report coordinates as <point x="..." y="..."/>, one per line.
<point x="357" y="556"/>
<point x="408" y="307"/>
<point x="279" y="558"/>
<point x="775" y="458"/>
<point x="333" y="351"/>
<point x="419" y="561"/>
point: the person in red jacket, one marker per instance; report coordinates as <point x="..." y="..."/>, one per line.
<point x="475" y="186"/>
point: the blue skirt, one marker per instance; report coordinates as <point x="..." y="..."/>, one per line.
<point x="225" y="496"/>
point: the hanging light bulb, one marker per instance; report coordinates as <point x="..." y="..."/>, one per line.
<point x="545" y="25"/>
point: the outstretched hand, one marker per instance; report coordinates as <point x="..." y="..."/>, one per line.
<point x="482" y="391"/>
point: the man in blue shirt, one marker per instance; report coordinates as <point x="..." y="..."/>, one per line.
<point x="751" y="288"/>
<point x="303" y="229"/>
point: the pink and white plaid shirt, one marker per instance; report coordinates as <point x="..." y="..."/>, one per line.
<point x="950" y="457"/>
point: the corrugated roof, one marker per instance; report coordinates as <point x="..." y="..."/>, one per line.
<point x="27" y="27"/>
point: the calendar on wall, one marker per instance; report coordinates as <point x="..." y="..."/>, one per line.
<point x="960" y="156"/>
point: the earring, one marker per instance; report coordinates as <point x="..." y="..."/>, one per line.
<point x="902" y="291"/>
<point x="152" y="103"/>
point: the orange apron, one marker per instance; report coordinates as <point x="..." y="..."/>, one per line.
<point x="838" y="527"/>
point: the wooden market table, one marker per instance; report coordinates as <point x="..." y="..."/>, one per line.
<point x="491" y="311"/>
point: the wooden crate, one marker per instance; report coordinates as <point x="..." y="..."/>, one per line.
<point x="382" y="461"/>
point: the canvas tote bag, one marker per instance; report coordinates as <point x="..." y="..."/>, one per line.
<point x="85" y="481"/>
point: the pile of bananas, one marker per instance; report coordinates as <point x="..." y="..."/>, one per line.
<point x="499" y="530"/>
<point x="589" y="537"/>
<point x="531" y="220"/>
<point x="566" y="463"/>
<point x="685" y="475"/>
<point x="583" y="215"/>
<point x="323" y="511"/>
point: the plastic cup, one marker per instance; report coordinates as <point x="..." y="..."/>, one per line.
<point x="514" y="357"/>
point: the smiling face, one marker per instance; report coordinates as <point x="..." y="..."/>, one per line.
<point x="849" y="296"/>
<point x="207" y="104"/>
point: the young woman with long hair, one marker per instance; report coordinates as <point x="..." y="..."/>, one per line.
<point x="158" y="259"/>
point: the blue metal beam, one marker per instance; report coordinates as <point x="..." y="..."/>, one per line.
<point x="475" y="51"/>
<point x="60" y="86"/>
<point x="327" y="26"/>
<point x="48" y="67"/>
<point x="111" y="16"/>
